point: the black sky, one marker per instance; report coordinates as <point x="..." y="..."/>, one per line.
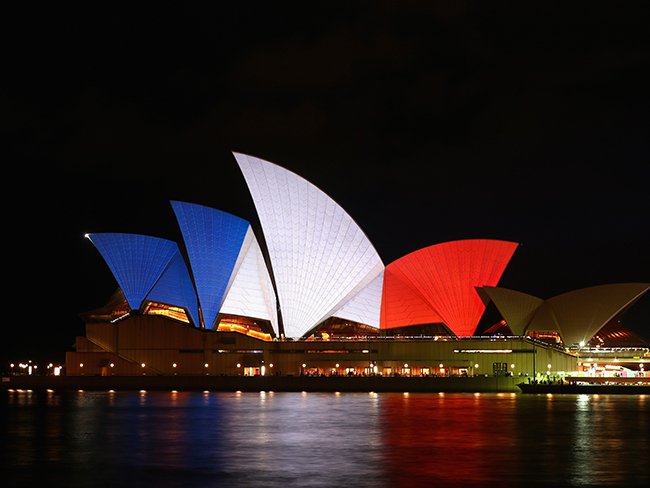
<point x="426" y="121"/>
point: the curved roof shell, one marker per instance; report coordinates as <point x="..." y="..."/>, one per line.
<point x="213" y="240"/>
<point x="175" y="287"/>
<point x="438" y="283"/>
<point x="577" y="315"/>
<point x="147" y="267"/>
<point x="515" y="307"/>
<point x="320" y="257"/>
<point x="251" y="293"/>
<point x="404" y="305"/>
<point x="365" y="306"/>
<point x="580" y="314"/>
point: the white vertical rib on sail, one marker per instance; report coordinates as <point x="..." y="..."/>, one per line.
<point x="319" y="255"/>
<point x="365" y="306"/>
<point x="251" y="292"/>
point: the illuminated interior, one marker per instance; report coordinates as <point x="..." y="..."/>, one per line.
<point x="613" y="334"/>
<point x="116" y="307"/>
<point x="260" y="329"/>
<point x="170" y="311"/>
<point x="550" y="336"/>
<point x="336" y="327"/>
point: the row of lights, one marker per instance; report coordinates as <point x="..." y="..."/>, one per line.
<point x="206" y="365"/>
<point x="31" y="368"/>
<point x="143" y="365"/>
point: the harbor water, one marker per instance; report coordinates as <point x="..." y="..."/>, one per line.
<point x="300" y="439"/>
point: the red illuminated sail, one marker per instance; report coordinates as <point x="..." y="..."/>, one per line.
<point x="443" y="278"/>
<point x="403" y="305"/>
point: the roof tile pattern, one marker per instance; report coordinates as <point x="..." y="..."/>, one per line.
<point x="319" y="256"/>
<point x="576" y="315"/>
<point x="136" y="261"/>
<point x="251" y="293"/>
<point x="213" y="240"/>
<point x="445" y="277"/>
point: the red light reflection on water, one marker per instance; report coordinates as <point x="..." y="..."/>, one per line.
<point x="448" y="440"/>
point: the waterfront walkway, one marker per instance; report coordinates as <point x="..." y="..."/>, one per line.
<point x="266" y="383"/>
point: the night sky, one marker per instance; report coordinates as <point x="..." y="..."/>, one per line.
<point x="426" y="121"/>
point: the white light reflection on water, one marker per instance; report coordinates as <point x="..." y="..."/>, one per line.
<point x="304" y="439"/>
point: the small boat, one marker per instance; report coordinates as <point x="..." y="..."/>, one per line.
<point x="617" y="386"/>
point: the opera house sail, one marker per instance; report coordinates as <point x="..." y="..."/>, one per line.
<point x="438" y="284"/>
<point x="320" y="257"/>
<point x="575" y="316"/>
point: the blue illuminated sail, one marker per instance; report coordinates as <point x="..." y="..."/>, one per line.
<point x="213" y="240"/>
<point x="175" y="288"/>
<point x="136" y="261"/>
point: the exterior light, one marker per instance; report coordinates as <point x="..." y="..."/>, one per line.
<point x="406" y="365"/>
<point x="441" y="365"/>
<point x="205" y="365"/>
<point x="582" y="344"/>
<point x="304" y="365"/>
<point x="238" y="365"/>
<point x="174" y="365"/>
<point x="337" y="365"/>
<point x="271" y="365"/>
<point x="549" y="365"/>
<point x="476" y="366"/>
<point x="512" y="365"/>
<point x="81" y="365"/>
<point x="143" y="365"/>
<point x="112" y="365"/>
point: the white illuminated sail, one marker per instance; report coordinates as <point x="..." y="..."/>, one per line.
<point x="251" y="292"/>
<point x="320" y="257"/>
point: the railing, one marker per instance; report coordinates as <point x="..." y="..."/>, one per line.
<point x="439" y="338"/>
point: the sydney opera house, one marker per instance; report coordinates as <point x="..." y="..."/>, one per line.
<point x="311" y="295"/>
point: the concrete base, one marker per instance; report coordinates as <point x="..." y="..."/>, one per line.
<point x="492" y="384"/>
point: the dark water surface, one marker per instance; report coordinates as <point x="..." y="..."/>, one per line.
<point x="285" y="440"/>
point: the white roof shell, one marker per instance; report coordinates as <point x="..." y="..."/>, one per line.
<point x="320" y="257"/>
<point x="251" y="292"/>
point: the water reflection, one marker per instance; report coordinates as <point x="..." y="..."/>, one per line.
<point x="324" y="439"/>
<point x="447" y="440"/>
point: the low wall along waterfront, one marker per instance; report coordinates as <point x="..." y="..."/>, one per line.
<point x="265" y="383"/>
